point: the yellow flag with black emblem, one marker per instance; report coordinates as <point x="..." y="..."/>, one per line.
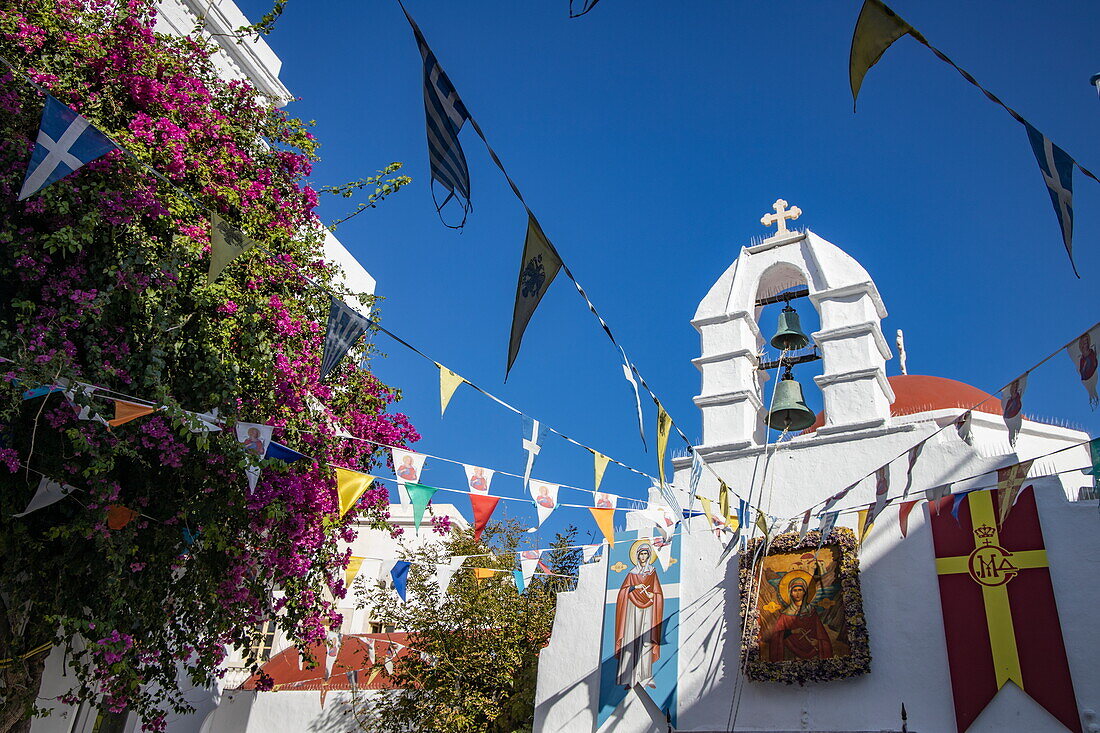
<point x="876" y="29"/>
<point x="227" y="243"/>
<point x="537" y="269"/>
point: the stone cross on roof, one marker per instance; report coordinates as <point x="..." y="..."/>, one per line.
<point x="782" y="213"/>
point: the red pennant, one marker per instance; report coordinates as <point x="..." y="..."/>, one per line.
<point x="484" y="506"/>
<point x="903" y="515"/>
<point x="999" y="614"/>
<point x="119" y="516"/>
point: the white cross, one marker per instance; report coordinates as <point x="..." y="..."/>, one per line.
<point x="57" y="152"/>
<point x="1054" y="183"/>
<point x="782" y="213"/>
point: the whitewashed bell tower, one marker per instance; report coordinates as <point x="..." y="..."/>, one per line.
<point x="850" y="310"/>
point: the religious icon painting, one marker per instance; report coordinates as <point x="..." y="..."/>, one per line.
<point x="407" y="467"/>
<point x="640" y="623"/>
<point x="804" y="609"/>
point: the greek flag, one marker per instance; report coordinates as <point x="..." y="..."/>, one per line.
<point x="66" y="141"/>
<point x="1057" y="169"/>
<point x="534" y="433"/>
<point x="445" y="114"/>
<point x="345" y="327"/>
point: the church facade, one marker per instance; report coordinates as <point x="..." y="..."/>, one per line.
<point x="869" y="420"/>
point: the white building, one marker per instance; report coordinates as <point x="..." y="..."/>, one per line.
<point x="868" y="420"/>
<point x="255" y="62"/>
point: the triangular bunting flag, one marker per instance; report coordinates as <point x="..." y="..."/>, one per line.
<point x="350" y="485"/>
<point x="605" y="520"/>
<point x="1082" y="352"/>
<point x="876" y="29"/>
<point x="828" y="521"/>
<point x="933" y="496"/>
<point x="528" y="562"/>
<point x="66" y="141"/>
<point x="1009" y="481"/>
<point x="601" y="462"/>
<point x="537" y="270"/>
<point x="628" y="372"/>
<point x="481" y="574"/>
<point x="863" y="528"/>
<point x="483" y="507"/>
<point x="444" y="573"/>
<point x="400" y="576"/>
<point x="448" y="383"/>
<point x="882" y="488"/>
<point x="119" y="516"/>
<point x="352" y="570"/>
<point x="345" y="327"/>
<point x="903" y="515"/>
<point x="534" y="433"/>
<point x="48" y="492"/>
<point x="914" y="454"/>
<point x="664" y="427"/>
<point x="1057" y="169"/>
<point x="280" y="452"/>
<point x="127" y="411"/>
<point x="517" y="576"/>
<point x="963" y="426"/>
<point x="546" y="498"/>
<point x="805" y="525"/>
<point x="420" y="496"/>
<point x="479" y="479"/>
<point x="255" y="438"/>
<point x="227" y="243"/>
<point x="407" y="467"/>
<point x="1012" y="404"/>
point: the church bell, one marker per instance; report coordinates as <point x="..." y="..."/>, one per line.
<point x="789" y="410"/>
<point x="789" y="336"/>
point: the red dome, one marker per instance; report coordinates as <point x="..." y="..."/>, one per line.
<point x="919" y="393"/>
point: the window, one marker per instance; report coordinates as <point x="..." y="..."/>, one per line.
<point x="110" y="722"/>
<point x="263" y="641"/>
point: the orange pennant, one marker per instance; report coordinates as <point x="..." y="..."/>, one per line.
<point x="127" y="411"/>
<point x="481" y="574"/>
<point x="605" y="520"/>
<point x="119" y="516"/>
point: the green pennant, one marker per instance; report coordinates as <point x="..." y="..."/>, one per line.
<point x="420" y="495"/>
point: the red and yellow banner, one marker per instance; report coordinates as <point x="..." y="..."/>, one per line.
<point x="999" y="613"/>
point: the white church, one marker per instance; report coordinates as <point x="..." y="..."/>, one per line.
<point x="869" y="418"/>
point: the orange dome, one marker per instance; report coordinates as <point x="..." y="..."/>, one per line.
<point x="915" y="393"/>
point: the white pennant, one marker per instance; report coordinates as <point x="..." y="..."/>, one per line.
<point x="478" y="478"/>
<point x="255" y="438"/>
<point x="545" y="496"/>
<point x="49" y="492"/>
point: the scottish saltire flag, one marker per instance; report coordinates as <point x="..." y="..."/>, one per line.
<point x="345" y="327"/>
<point x="66" y="141"/>
<point x="445" y="114"/>
<point x="1057" y="169"/>
<point x="534" y="433"/>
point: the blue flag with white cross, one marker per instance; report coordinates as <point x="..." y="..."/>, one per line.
<point x="1057" y="169"/>
<point x="66" y="141"/>
<point x="445" y="114"/>
<point x="345" y="327"/>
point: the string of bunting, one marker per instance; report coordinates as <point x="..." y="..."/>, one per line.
<point x="878" y="26"/>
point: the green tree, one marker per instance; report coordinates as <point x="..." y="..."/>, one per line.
<point x="481" y="638"/>
<point x="104" y="282"/>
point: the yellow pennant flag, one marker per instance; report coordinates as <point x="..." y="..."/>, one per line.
<point x="876" y="29"/>
<point x="350" y="485"/>
<point x="373" y="673"/>
<point x="664" y="427"/>
<point x="605" y="520"/>
<point x="448" y="383"/>
<point x="601" y="466"/>
<point x="706" y="509"/>
<point x="862" y="528"/>
<point x="761" y="523"/>
<point x="724" y="500"/>
<point x="127" y="411"/>
<point x="354" y="563"/>
<point x="226" y="244"/>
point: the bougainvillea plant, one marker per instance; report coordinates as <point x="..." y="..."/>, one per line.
<point x="104" y="282"/>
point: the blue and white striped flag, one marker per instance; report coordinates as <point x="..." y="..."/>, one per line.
<point x="345" y="327"/>
<point x="534" y="433"/>
<point x="828" y="521"/>
<point x="66" y="141"/>
<point x="445" y="114"/>
<point x="1057" y="169"/>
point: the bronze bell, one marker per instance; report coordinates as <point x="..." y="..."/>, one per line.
<point x="789" y="334"/>
<point x="789" y="410"/>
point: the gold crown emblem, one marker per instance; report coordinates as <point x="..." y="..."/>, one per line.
<point x="985" y="531"/>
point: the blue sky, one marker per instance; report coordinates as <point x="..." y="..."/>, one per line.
<point x="649" y="137"/>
